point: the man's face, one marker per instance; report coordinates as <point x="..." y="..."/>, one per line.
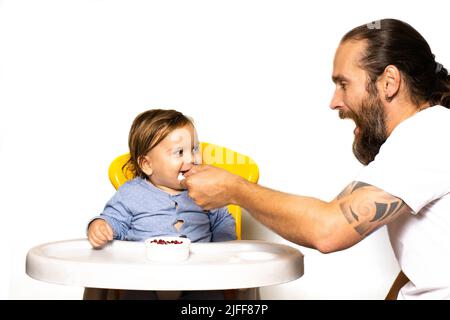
<point x="353" y="101"/>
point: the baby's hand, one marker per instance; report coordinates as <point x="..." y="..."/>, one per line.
<point x="99" y="233"/>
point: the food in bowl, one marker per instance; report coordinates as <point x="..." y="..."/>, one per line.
<point x="167" y="249"/>
<point x="161" y="241"/>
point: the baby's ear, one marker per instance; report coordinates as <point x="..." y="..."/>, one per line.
<point x="145" y="164"/>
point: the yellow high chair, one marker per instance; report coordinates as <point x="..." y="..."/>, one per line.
<point x="212" y="154"/>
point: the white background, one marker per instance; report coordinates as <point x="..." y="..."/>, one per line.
<point x="255" y="76"/>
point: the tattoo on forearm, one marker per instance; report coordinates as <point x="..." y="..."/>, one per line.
<point x="365" y="214"/>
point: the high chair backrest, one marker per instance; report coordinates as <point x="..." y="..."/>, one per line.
<point x="211" y="154"/>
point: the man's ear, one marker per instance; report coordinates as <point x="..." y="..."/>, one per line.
<point x="390" y="82"/>
<point x="145" y="164"/>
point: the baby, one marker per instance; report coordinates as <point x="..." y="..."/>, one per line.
<point x="163" y="146"/>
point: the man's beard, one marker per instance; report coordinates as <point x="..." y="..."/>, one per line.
<point x="370" y="120"/>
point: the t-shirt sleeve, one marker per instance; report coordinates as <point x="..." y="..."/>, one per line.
<point x="413" y="165"/>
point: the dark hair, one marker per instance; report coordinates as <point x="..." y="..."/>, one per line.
<point x="148" y="129"/>
<point x="394" y="42"/>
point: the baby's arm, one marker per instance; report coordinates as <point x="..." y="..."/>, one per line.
<point x="113" y="223"/>
<point x="223" y="226"/>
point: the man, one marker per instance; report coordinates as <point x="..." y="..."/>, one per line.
<point x="389" y="83"/>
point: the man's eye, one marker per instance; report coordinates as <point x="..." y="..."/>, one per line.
<point x="343" y="85"/>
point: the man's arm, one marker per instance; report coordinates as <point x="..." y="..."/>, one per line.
<point x="356" y="212"/>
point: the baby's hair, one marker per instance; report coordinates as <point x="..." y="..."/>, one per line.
<point x="148" y="129"/>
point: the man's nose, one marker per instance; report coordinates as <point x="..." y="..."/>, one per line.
<point x="336" y="101"/>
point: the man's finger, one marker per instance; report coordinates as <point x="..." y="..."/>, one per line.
<point x="195" y="169"/>
<point x="189" y="173"/>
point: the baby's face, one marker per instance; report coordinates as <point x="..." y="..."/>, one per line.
<point x="174" y="155"/>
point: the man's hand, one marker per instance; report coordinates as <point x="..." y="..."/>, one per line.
<point x="99" y="233"/>
<point x="210" y="187"/>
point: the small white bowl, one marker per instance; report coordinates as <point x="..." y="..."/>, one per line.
<point x="167" y="249"/>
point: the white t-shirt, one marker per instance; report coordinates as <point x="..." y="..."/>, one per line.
<point x="414" y="165"/>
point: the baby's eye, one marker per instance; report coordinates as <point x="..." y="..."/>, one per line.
<point x="178" y="152"/>
<point x="195" y="149"/>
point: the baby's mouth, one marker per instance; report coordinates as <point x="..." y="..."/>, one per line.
<point x="181" y="175"/>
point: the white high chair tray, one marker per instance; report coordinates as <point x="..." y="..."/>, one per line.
<point x="123" y="265"/>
